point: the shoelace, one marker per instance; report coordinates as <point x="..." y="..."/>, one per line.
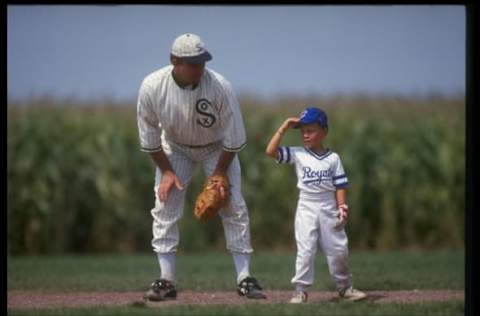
<point x="161" y="285"/>
<point x="250" y="284"/>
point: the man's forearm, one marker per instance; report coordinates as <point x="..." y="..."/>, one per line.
<point x="224" y="161"/>
<point x="161" y="161"/>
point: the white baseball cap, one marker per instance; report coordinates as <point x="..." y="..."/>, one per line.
<point x="190" y="48"/>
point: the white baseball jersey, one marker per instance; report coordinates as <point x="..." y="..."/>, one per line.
<point x="319" y="175"/>
<point x="316" y="173"/>
<point x="192" y="116"/>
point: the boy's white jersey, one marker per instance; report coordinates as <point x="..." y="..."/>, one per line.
<point x="316" y="173"/>
<point x="193" y="116"/>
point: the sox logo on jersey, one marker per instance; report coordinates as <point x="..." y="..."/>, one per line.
<point x="207" y="118"/>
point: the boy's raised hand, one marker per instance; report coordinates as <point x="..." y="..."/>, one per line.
<point x="272" y="146"/>
<point x="289" y="123"/>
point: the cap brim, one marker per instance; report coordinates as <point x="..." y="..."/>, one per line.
<point x="299" y="124"/>
<point x="200" y="59"/>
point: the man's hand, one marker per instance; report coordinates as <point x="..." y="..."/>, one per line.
<point x="169" y="178"/>
<point x="210" y="200"/>
<point x="222" y="189"/>
<point x="223" y="163"/>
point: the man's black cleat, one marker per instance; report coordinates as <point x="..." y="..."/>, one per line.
<point x="250" y="288"/>
<point x="161" y="290"/>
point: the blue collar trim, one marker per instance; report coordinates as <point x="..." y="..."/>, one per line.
<point x="319" y="157"/>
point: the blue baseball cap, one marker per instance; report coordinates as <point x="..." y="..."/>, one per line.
<point x="313" y="115"/>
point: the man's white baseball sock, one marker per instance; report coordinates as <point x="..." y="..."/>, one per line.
<point x="242" y="265"/>
<point x="167" y="266"/>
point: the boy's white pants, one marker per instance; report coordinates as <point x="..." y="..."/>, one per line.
<point x="314" y="220"/>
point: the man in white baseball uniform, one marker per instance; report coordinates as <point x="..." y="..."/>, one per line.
<point x="188" y="114"/>
<point x="322" y="210"/>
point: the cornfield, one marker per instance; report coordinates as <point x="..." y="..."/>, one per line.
<point x="77" y="181"/>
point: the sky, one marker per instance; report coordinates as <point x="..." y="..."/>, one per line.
<point x="104" y="51"/>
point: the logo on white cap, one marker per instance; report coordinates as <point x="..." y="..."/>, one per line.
<point x="188" y="45"/>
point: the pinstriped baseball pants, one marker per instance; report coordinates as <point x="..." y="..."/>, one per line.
<point x="165" y="215"/>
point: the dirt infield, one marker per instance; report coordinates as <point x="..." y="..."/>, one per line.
<point x="32" y="299"/>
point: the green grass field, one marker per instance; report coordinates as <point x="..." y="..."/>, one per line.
<point x="215" y="271"/>
<point x="366" y="308"/>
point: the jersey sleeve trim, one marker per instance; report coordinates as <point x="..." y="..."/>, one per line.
<point x="284" y="154"/>
<point x="340" y="181"/>
<point x="288" y="154"/>
<point x="280" y="155"/>
<point x="342" y="185"/>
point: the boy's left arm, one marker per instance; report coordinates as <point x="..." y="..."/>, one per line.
<point x="342" y="207"/>
<point x="341" y="196"/>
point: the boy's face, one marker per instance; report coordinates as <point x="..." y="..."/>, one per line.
<point x="312" y="134"/>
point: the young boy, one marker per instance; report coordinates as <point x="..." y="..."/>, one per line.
<point x="322" y="211"/>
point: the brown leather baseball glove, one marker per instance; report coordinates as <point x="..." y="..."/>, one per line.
<point x="211" y="200"/>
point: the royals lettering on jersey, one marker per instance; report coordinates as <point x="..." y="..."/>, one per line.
<point x="316" y="173"/>
<point x="193" y="116"/>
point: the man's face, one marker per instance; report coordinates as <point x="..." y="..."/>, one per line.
<point x="189" y="73"/>
<point x="312" y="134"/>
